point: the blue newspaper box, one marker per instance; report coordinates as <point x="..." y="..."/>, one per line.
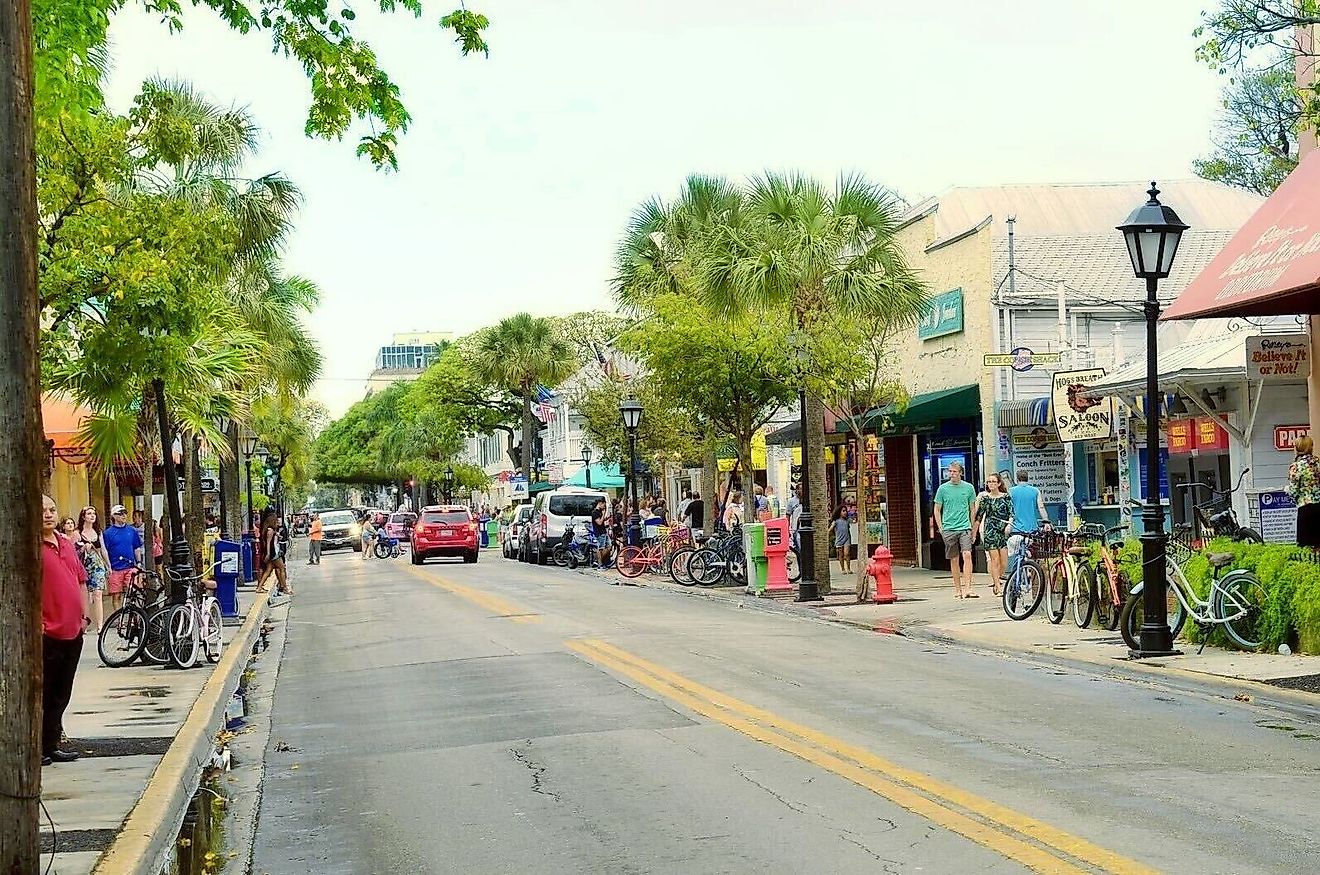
<point x="249" y="542"/>
<point x="229" y="556"/>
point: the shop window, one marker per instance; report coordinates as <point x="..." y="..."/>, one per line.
<point x="1101" y="487"/>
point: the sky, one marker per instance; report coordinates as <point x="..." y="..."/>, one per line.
<point x="521" y="169"/>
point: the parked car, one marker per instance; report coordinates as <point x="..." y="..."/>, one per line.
<point x="339" y="528"/>
<point x="445" y="530"/>
<point x="401" y="524"/>
<point x="552" y="511"/>
<point x="513" y="538"/>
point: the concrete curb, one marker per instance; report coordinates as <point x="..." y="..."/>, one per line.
<point x="149" y="830"/>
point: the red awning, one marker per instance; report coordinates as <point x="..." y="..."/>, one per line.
<point x="1272" y="265"/>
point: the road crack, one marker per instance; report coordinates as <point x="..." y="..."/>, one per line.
<point x="888" y="864"/>
<point x="537" y="769"/>
<point x="792" y="806"/>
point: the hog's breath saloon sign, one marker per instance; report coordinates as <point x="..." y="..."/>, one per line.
<point x="1079" y="413"/>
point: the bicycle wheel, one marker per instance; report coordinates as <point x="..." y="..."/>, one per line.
<point x="678" y="566"/>
<point x="1241" y="597"/>
<point x="1134" y="613"/>
<point x="1085" y="598"/>
<point x="1024" y="590"/>
<point x="156" y="647"/>
<point x="706" y="567"/>
<point x="214" y="642"/>
<point x="183" y="635"/>
<point x="631" y="561"/>
<point x="122" y="636"/>
<point x="793" y="563"/>
<point x="1249" y="536"/>
<point x="1056" y="594"/>
<point x="1106" y="611"/>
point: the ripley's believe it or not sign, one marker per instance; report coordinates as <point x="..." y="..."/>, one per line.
<point x="1080" y="415"/>
<point x="1278" y="357"/>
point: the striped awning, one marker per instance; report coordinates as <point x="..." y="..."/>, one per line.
<point x="1027" y="412"/>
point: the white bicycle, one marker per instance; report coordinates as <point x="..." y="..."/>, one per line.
<point x="195" y="627"/>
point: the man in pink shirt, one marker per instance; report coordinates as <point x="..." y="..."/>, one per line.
<point x="62" y="621"/>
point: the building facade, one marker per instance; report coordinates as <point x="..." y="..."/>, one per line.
<point x="406" y="356"/>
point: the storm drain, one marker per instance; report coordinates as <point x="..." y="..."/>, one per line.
<point x="1307" y="683"/>
<point x="73" y="841"/>
<point x="123" y="746"/>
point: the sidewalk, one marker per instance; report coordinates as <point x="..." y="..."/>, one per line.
<point x="124" y="722"/>
<point x="926" y="608"/>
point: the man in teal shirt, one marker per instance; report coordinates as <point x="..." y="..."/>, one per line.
<point x="955" y="508"/>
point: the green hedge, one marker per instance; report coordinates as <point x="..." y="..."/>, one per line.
<point x="1292" y="589"/>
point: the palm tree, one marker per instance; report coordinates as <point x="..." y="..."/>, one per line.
<point x="522" y="354"/>
<point x="781" y="241"/>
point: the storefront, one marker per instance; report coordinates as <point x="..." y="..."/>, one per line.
<point x="913" y="449"/>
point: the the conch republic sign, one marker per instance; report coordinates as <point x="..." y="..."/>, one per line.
<point x="1080" y="415"/>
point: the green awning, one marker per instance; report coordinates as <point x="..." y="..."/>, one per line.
<point x="539" y="486"/>
<point x="602" y="477"/>
<point x="923" y="413"/>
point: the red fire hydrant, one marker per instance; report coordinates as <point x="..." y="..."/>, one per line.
<point x="881" y="569"/>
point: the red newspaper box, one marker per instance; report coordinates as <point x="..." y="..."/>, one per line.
<point x="777" y="545"/>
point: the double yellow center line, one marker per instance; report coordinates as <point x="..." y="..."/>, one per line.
<point x="502" y="608"/>
<point x="1033" y="843"/>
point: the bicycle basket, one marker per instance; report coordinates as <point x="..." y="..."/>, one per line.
<point x="1045" y="545"/>
<point x="1182" y="543"/>
<point x="1210" y="516"/>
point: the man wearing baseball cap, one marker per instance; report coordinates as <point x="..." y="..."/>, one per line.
<point x="124" y="546"/>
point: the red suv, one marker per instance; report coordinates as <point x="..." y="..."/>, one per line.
<point x="445" y="530"/>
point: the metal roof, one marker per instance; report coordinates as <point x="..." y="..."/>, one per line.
<point x="1088" y="208"/>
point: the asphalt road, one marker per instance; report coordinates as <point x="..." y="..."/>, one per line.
<point x="502" y="718"/>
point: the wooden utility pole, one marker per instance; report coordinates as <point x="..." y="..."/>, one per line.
<point x="20" y="453"/>
<point x="1306" y="143"/>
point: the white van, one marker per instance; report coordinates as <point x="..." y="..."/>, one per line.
<point x="552" y="511"/>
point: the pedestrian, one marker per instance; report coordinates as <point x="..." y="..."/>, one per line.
<point x="733" y="511"/>
<point x="314" y="536"/>
<point x="91" y="549"/>
<point x="62" y="624"/>
<point x="368" y="537"/>
<point x="67" y="527"/>
<point x="123" y="544"/>
<point x="660" y="513"/>
<point x="760" y="505"/>
<point x="600" y="532"/>
<point x="272" y="549"/>
<point x="158" y="540"/>
<point x="995" y="510"/>
<point x="140" y="523"/>
<point x="1304" y="488"/>
<point x="955" y="508"/>
<point x="772" y="503"/>
<point x="794" y="510"/>
<point x="1028" y="506"/>
<point x="843" y="539"/>
<point x="681" y="509"/>
<point x="694" y="515"/>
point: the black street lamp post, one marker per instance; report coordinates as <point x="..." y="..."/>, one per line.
<point x="586" y="462"/>
<point x="1152" y="234"/>
<point x="808" y="591"/>
<point x="630" y="409"/>
<point x="449" y="485"/>
<point x="249" y="448"/>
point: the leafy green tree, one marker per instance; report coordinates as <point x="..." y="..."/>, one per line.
<point x="520" y="355"/>
<point x="348" y="85"/>
<point x="667" y="432"/>
<point x="782" y="242"/>
<point x="728" y="376"/>
<point x="1255" y="138"/>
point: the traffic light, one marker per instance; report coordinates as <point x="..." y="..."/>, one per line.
<point x="268" y="469"/>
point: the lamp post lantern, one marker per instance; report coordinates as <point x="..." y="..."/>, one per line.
<point x="630" y="409"/>
<point x="449" y="484"/>
<point x="586" y="462"/>
<point x="249" y="447"/>
<point x="1152" y="234"/>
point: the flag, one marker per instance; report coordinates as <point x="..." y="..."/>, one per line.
<point x="544" y="412"/>
<point x="544" y="395"/>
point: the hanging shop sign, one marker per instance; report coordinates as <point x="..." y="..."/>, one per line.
<point x="1278" y="517"/>
<point x="944" y="315"/>
<point x="1278" y="357"/>
<point x="1039" y="452"/>
<point x="1285" y="436"/>
<point x="1182" y="436"/>
<point x="1210" y="436"/>
<point x="1080" y="414"/>
<point x="1020" y="359"/>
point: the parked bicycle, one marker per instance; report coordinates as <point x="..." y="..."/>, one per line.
<point x="137" y="629"/>
<point x="721" y="559"/>
<point x="1109" y="588"/>
<point x="1235" y="601"/>
<point x="655" y="555"/>
<point x="1215" y="517"/>
<point x="1068" y="575"/>
<point x="195" y="628"/>
<point x="1024" y="580"/>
